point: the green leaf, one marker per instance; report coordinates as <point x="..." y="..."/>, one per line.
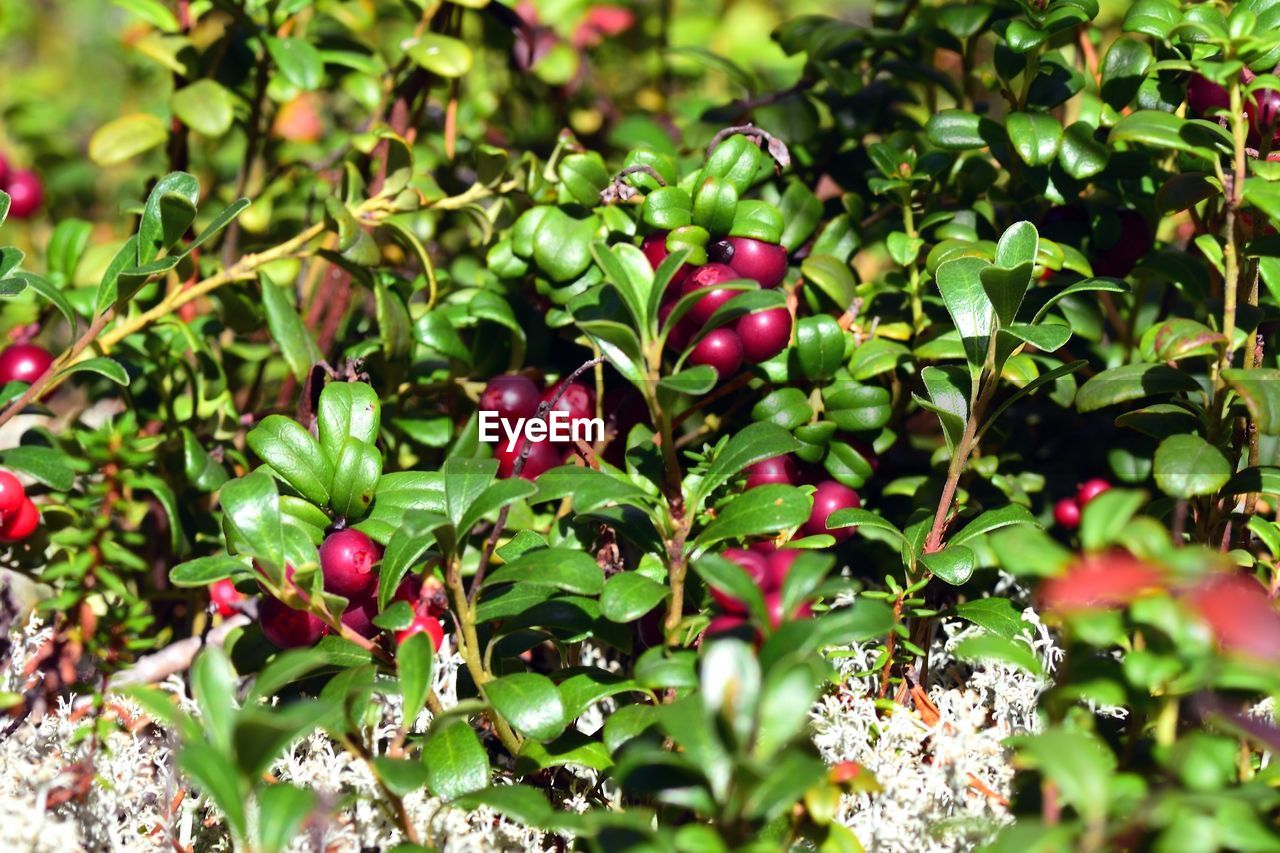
<point x="820" y="346"/>
<point x="1111" y="285"/>
<point x="588" y="488"/>
<point x="958" y="130"/>
<point x="997" y="615"/>
<point x="629" y="595"/>
<point x="52" y="293"/>
<point x="993" y="519"/>
<point x="953" y="564"/>
<point x="126" y="137"/>
<point x="949" y="400"/>
<point x="298" y="60"/>
<point x="465" y="480"/>
<point x="1166" y="131"/>
<point x="456" y="761"/>
<point x="1079" y="764"/>
<point x="415" y="663"/>
<point x="1155" y="18"/>
<point x="801" y="211"/>
<point x="440" y="54"/>
<point x="287" y="329"/>
<point x="203" y="571"/>
<point x="213" y="686"/>
<point x="1260" y="390"/>
<point x="355" y="477"/>
<point x="347" y="410"/>
<point x="1123" y="70"/>
<point x="251" y="517"/>
<point x="169" y="212"/>
<point x="1081" y="154"/>
<point x="1133" y="382"/>
<point x="562" y="568"/>
<point x="215" y="775"/>
<point x="626" y="268"/>
<point x="1187" y="466"/>
<point x="584" y="175"/>
<point x="1264" y="479"/>
<point x="730" y="578"/>
<point x="205" y="106"/>
<point x="752" y="444"/>
<point x="573" y="748"/>
<point x="519" y="802"/>
<point x="1035" y="136"/>
<point x="714" y="205"/>
<point x="529" y="702"/>
<point x="282" y="810"/>
<point x="994" y="647"/>
<point x="763" y="510"/>
<point x="832" y="276"/>
<point x="44" y="464"/>
<point x="582" y="687"/>
<point x="153" y="12"/>
<point x="1106" y="517"/>
<point x="862" y="518"/>
<point x="960" y="283"/>
<point x="294" y="456"/>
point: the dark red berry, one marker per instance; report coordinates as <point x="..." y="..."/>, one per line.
<point x="1090" y="489"/>
<point x="766" y="263"/>
<point x="1263" y="111"/>
<point x="1204" y="96"/>
<point x="512" y="396"/>
<point x="779" y="469"/>
<point x="721" y="349"/>
<point x="225" y="597"/>
<point x="764" y="334"/>
<point x="682" y="332"/>
<point x="4" y="170"/>
<point x="779" y="564"/>
<point x="829" y="497"/>
<point x="424" y="624"/>
<point x="578" y="401"/>
<point x="705" y="278"/>
<point x="1067" y="513"/>
<point x="773" y="606"/>
<point x="755" y="565"/>
<point x="346" y="559"/>
<point x="725" y="623"/>
<point x="543" y="456"/>
<point x="12" y="494"/>
<point x="25" y="193"/>
<point x="23" y="363"/>
<point x="359" y="616"/>
<point x="287" y="628"/>
<point x="655" y="251"/>
<point x="21" y="523"/>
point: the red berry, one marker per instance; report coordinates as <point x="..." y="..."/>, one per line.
<point x="755" y="565"/>
<point x="287" y="628"/>
<point x="779" y="565"/>
<point x="23" y="363"/>
<point x="359" y="616"/>
<point x="773" y="606"/>
<point x="25" y="193"/>
<point x="12" y="494"/>
<point x="1204" y="96"/>
<point x="225" y="597"/>
<point x="679" y="335"/>
<point x="721" y="349"/>
<point x="543" y="456"/>
<point x="423" y="624"/>
<point x="764" y="262"/>
<point x="346" y="559"/>
<point x="829" y="497"/>
<point x="705" y="278"/>
<point x="511" y="396"/>
<point x="1262" y="108"/>
<point x="1090" y="489"/>
<point x="4" y="170"/>
<point x="655" y="251"/>
<point x="21" y="523"/>
<point x="578" y="401"/>
<point x="779" y="469"/>
<point x="1067" y="513"/>
<point x="725" y="623"/>
<point x="764" y="334"/>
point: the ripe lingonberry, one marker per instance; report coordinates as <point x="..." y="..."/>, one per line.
<point x="829" y="497"/>
<point x="725" y="622"/>
<point x="1204" y="96"/>
<point x="1090" y="489"/>
<point x="543" y="456"/>
<point x="764" y="334"/>
<point x="1067" y="513"/>
<point x="766" y="263"/>
<point x="21" y="523"/>
<point x="23" y="363"/>
<point x="755" y="565"/>
<point x="12" y="494"/>
<point x="25" y="193"/>
<point x="424" y="623"/>
<point x="287" y="628"/>
<point x="705" y="279"/>
<point x="655" y="251"/>
<point x="721" y="349"/>
<point x="773" y="606"/>
<point x="4" y="169"/>
<point x="512" y="396"/>
<point x="346" y="559"/>
<point x="779" y="469"/>
<point x="225" y="597"/>
<point x="578" y="401"/>
<point x="359" y="616"/>
<point x="779" y="564"/>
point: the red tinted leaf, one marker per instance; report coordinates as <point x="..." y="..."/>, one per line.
<point x="1101" y="580"/>
<point x="1240" y="614"/>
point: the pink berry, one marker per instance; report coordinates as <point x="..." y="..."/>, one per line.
<point x="1067" y="513"/>
<point x="1204" y="96"/>
<point x="704" y="279"/>
<point x="764" y="334"/>
<point x="578" y="401"/>
<point x="24" y="363"/>
<point x="779" y="469"/>
<point x="1090" y="489"/>
<point x="346" y="559"/>
<point x="423" y="624"/>
<point x="779" y="566"/>
<point x="766" y="263"/>
<point x="655" y="251"/>
<point x="512" y="396"/>
<point x="12" y="494"/>
<point x="829" y="497"/>
<point x="359" y="616"/>
<point x="287" y="628"/>
<point x="725" y="623"/>
<point x="773" y="605"/>
<point x="721" y="349"/>
<point x="25" y="193"/>
<point x="21" y="523"/>
<point x="225" y="597"/>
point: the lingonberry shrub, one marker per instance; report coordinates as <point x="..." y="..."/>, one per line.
<point x="935" y="350"/>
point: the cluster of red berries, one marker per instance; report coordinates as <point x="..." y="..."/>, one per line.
<point x="767" y="571"/>
<point x="24" y="189"/>
<point x="348" y="560"/>
<point x="19" y="517"/>
<point x="23" y="363"/>
<point x="753" y="338"/>
<point x="515" y="397"/>
<point x="1067" y="511"/>
<point x="828" y="496"/>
